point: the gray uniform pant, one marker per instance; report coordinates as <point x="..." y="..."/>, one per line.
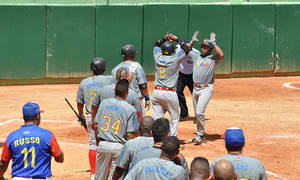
<point x="163" y="101"/>
<point x="107" y="153"/>
<point x="201" y="97"/>
<point x="91" y="133"/>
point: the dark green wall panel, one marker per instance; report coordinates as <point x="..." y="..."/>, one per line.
<point x="288" y="38"/>
<point x="115" y="27"/>
<point x="219" y="22"/>
<point x="70" y="40"/>
<point x="159" y="19"/>
<point x="253" y="38"/>
<point x="22" y="42"/>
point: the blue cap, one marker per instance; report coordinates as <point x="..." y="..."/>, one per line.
<point x="31" y="109"/>
<point x="234" y="137"/>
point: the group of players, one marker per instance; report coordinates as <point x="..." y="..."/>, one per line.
<point x="121" y="135"/>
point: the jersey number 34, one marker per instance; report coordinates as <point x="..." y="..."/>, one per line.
<point x="107" y="123"/>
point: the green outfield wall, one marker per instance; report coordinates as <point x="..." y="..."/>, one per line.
<point x="43" y="40"/>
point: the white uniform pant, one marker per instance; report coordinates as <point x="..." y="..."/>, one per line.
<point x="92" y="138"/>
<point x="163" y="101"/>
<point x="107" y="154"/>
<point x="201" y="97"/>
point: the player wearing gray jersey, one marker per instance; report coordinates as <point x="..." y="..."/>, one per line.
<point x="164" y="97"/>
<point x="245" y="167"/>
<point x="133" y="146"/>
<point x="115" y="122"/>
<point x="160" y="168"/>
<point x="204" y="76"/>
<point x="109" y="92"/>
<point x="88" y="89"/>
<point x="139" y="81"/>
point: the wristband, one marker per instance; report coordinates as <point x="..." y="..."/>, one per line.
<point x="181" y="164"/>
<point x="147" y="98"/>
<point x="214" y="44"/>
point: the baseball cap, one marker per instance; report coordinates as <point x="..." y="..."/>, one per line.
<point x="31" y="109"/>
<point x="234" y="137"/>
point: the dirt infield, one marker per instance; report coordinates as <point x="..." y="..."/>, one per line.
<point x="267" y="111"/>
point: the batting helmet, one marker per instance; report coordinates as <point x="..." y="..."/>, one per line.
<point x="98" y="65"/>
<point x="128" y="51"/>
<point x="208" y="43"/>
<point x="168" y="48"/>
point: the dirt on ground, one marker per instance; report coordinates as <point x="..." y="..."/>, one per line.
<point x="267" y="111"/>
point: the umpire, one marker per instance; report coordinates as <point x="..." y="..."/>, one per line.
<point x="185" y="78"/>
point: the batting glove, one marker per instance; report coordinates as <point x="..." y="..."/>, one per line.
<point x="195" y="36"/>
<point x="147" y="105"/>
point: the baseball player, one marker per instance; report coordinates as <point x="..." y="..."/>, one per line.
<point x="115" y="122"/>
<point x="245" y="167"/>
<point x="185" y="78"/>
<point x="88" y="90"/>
<point x="164" y="97"/>
<point x="133" y="146"/>
<point x="108" y="92"/>
<point x="139" y="81"/>
<point x="30" y="148"/>
<point x="203" y="76"/>
<point x="162" y="167"/>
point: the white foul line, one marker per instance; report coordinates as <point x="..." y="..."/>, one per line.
<point x="275" y="175"/>
<point x="288" y="85"/>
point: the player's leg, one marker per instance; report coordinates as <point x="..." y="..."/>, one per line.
<point x="204" y="97"/>
<point x="181" y="83"/>
<point x="190" y="82"/>
<point x="92" y="146"/>
<point x="117" y="150"/>
<point x="156" y="99"/>
<point x="172" y="106"/>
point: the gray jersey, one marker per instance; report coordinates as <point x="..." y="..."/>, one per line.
<point x="167" y="68"/>
<point x="186" y="67"/>
<point x="115" y="118"/>
<point x="138" y="77"/>
<point x="109" y="92"/>
<point x="157" y="168"/>
<point x="151" y="152"/>
<point x="245" y="167"/>
<point x="132" y="148"/>
<point x="89" y="88"/>
<point x="203" y="68"/>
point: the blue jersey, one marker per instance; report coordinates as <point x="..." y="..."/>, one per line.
<point x="30" y="149"/>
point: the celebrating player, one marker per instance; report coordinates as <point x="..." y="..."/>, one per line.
<point x="115" y="122"/>
<point x="164" y="97"/>
<point x="30" y="148"/>
<point x="89" y="88"/>
<point x="139" y="81"/>
<point x="204" y="66"/>
<point x="163" y="167"/>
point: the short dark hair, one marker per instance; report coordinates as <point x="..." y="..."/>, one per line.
<point x="170" y="145"/>
<point x="200" y="167"/>
<point x="122" y="87"/>
<point x="229" y="148"/>
<point x="30" y="118"/>
<point x="160" y="129"/>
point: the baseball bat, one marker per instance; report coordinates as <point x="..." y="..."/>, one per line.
<point x="79" y="119"/>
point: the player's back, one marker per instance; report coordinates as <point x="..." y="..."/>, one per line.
<point x="167" y="68"/>
<point x="138" y="77"/>
<point x="89" y="88"/>
<point x="30" y="149"/>
<point x="108" y="91"/>
<point x="151" y="152"/>
<point x="245" y="166"/>
<point x="115" y="118"/>
<point x="157" y="168"/>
